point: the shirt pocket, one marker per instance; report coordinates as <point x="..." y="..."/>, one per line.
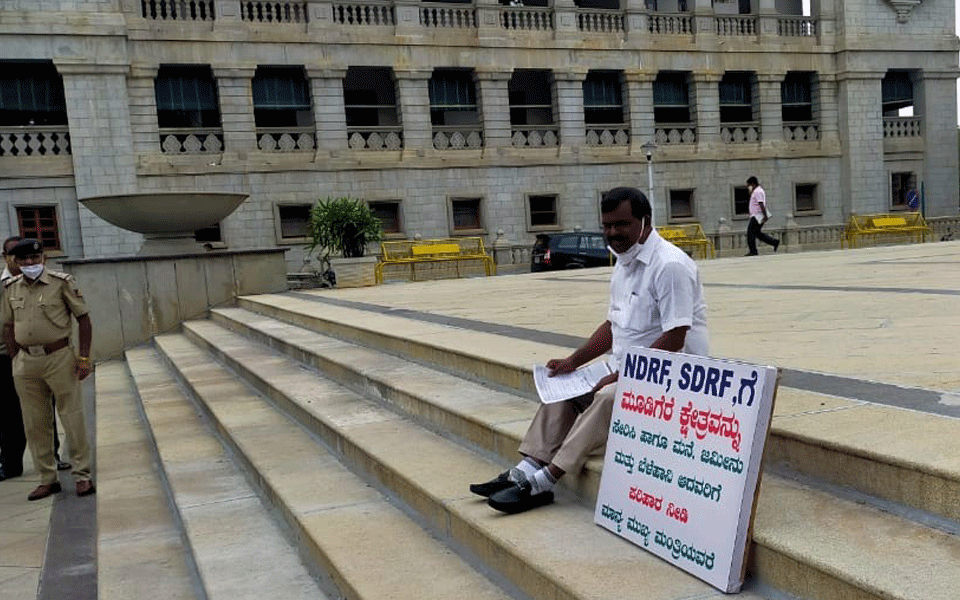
<point x="17" y="304"/>
<point x="641" y="309"/>
<point x="55" y="313"/>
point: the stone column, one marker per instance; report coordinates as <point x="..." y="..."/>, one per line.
<point x="767" y="21"/>
<point x="569" y="110"/>
<point x="235" y="91"/>
<point x="408" y="19"/>
<point x="636" y="19"/>
<point x="863" y="186"/>
<point x="826" y="111"/>
<point x="565" y="19"/>
<point x="143" y="109"/>
<point x="771" y="109"/>
<point x="488" y="21"/>
<point x="703" y="23"/>
<point x="494" y="109"/>
<point x="414" y="104"/>
<point x="326" y="90"/>
<point x="707" y="106"/>
<point x="936" y="105"/>
<point x="639" y="101"/>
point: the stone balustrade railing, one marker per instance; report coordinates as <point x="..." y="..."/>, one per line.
<point x="902" y="127"/>
<point x="457" y="137"/>
<point x="670" y="24"/>
<point x="740" y="133"/>
<point x="797" y="27"/>
<point x="536" y="136"/>
<point x="600" y="21"/>
<point x="608" y="135"/>
<point x="736" y="26"/>
<point x="375" y="138"/>
<point x="273" y="12"/>
<point x="801" y="131"/>
<point x="288" y="139"/>
<point x="34" y="140"/>
<point x="441" y="15"/>
<point x="675" y="133"/>
<point x="526" y="18"/>
<point x="364" y="14"/>
<point x="178" y="10"/>
<point x="456" y="15"/>
<point x="191" y="141"/>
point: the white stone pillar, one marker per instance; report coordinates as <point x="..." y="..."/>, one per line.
<point x="494" y="109"/>
<point x="569" y="98"/>
<point x="707" y="106"/>
<point x="639" y="102"/>
<point x="771" y="109"/>
<point x="937" y="107"/>
<point x="863" y="185"/>
<point x="143" y="109"/>
<point x="235" y="91"/>
<point x="414" y="104"/>
<point x="326" y="90"/>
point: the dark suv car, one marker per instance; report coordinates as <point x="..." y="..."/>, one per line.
<point x="569" y="251"/>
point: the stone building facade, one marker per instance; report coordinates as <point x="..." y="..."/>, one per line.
<point x="467" y="118"/>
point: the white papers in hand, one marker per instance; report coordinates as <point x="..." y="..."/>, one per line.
<point x="563" y="387"/>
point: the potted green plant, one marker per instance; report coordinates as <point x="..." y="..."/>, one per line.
<point x="343" y="227"/>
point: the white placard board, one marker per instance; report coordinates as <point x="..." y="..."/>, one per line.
<point x="683" y="457"/>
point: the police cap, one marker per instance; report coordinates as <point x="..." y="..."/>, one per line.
<point x="27" y="247"/>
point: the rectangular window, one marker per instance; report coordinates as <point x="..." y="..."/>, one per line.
<point x="370" y="97"/>
<point x="186" y="97"/>
<point x="741" y="201"/>
<point x="40" y="222"/>
<point x="453" y="98"/>
<point x="805" y="198"/>
<point x="388" y="211"/>
<point x="736" y="97"/>
<point x="681" y="204"/>
<point x="603" y="98"/>
<point x="901" y="184"/>
<point x="796" y="97"/>
<point x="281" y="97"/>
<point x="466" y="214"/>
<point x="896" y="91"/>
<point x="294" y="220"/>
<point x="208" y="235"/>
<point x="543" y="211"/>
<point x="31" y="93"/>
<point x="671" y="97"/>
<point x="531" y="97"/>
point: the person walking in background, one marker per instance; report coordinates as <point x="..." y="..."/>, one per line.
<point x="13" y="441"/>
<point x="759" y="213"/>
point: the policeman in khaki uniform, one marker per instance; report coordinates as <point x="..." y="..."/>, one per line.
<point x="36" y="312"/>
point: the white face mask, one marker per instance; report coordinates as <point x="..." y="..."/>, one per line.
<point x="32" y="271"/>
<point x="629" y="256"/>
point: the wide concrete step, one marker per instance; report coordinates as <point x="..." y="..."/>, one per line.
<point x="899" y="456"/>
<point x="826" y="548"/>
<point x="554" y="553"/>
<point x="140" y="544"/>
<point x="239" y="551"/>
<point x="367" y="545"/>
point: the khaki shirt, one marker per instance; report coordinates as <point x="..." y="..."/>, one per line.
<point x="40" y="310"/>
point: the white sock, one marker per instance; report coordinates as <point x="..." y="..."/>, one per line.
<point x="542" y="481"/>
<point x="527" y="467"/>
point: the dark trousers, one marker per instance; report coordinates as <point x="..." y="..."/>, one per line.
<point x="754" y="233"/>
<point x="12" y="438"/>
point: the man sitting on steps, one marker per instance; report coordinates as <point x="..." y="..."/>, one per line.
<point x="656" y="301"/>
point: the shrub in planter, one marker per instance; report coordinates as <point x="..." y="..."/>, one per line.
<point x="343" y="226"/>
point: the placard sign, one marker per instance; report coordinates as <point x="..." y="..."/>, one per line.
<point x="683" y="459"/>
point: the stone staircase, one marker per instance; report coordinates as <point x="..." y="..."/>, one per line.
<point x="288" y="449"/>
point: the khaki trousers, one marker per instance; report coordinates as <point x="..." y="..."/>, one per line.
<point x="566" y="433"/>
<point x="36" y="378"/>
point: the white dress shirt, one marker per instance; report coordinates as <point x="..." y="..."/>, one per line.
<point x="655" y="292"/>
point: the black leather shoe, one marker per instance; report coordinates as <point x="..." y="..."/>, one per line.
<point x="518" y="498"/>
<point x="7" y="473"/>
<point x="500" y="482"/>
<point x="776" y="245"/>
<point x="63" y="465"/>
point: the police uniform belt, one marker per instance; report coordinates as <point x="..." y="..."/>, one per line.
<point x="42" y="349"/>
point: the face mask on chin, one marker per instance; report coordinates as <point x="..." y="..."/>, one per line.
<point x="32" y="271"/>
<point x="627" y="257"/>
